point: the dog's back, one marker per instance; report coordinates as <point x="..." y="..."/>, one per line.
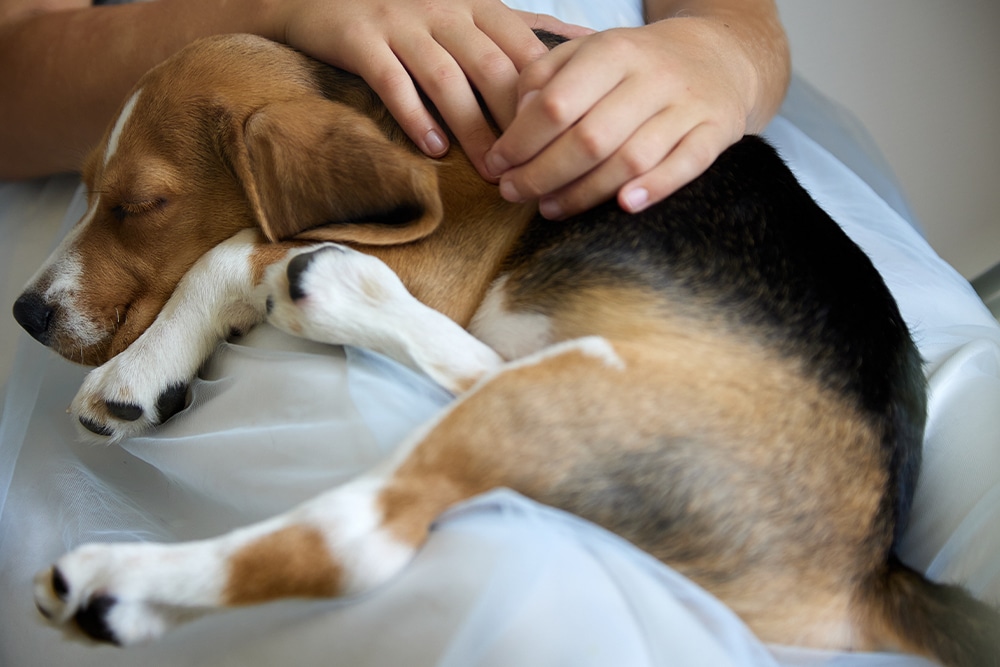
<point x="783" y="441"/>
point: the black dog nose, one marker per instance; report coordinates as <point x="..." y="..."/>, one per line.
<point x="32" y="313"/>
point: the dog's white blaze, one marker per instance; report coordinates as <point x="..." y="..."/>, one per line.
<point x="116" y="131"/>
<point x="63" y="271"/>
<point x="512" y="334"/>
<point x="65" y="247"/>
<point x="62" y="292"/>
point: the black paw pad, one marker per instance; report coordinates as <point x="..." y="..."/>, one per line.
<point x="124" y="411"/>
<point x="93" y="619"/>
<point x="94" y="427"/>
<point x="296" y="267"/>
<point x="171" y="401"/>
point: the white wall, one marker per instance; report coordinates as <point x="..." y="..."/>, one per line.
<point x="924" y="78"/>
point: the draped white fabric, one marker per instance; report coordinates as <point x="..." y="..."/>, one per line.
<point x="502" y="581"/>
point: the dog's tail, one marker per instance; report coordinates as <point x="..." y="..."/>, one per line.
<point x="907" y="611"/>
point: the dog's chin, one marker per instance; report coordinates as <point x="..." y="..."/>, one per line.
<point x="98" y="350"/>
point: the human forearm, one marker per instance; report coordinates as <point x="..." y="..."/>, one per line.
<point x="750" y="32"/>
<point x="66" y="72"/>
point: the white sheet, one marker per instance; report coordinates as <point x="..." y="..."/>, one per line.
<point x="503" y="581"/>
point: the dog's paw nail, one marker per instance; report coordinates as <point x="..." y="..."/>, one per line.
<point x="92" y="619"/>
<point x="43" y="611"/>
<point x="125" y="411"/>
<point x="59" y="585"/>
<point x="171" y="401"/>
<point x="95" y="427"/>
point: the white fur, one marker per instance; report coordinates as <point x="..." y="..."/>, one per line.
<point x="352" y="525"/>
<point x="355" y="299"/>
<point x="62" y="272"/>
<point x="512" y="334"/>
<point x="116" y="131"/>
<point x="595" y="347"/>
<point x="157" y="586"/>
<point x="216" y="295"/>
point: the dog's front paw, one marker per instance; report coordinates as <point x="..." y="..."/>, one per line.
<point x="335" y="294"/>
<point x="126" y="397"/>
<point x="105" y="589"/>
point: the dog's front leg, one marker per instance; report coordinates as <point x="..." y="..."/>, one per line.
<point x="335" y="294"/>
<point x="147" y="382"/>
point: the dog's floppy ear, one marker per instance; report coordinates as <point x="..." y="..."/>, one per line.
<point x="317" y="170"/>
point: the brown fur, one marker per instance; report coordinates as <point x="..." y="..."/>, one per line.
<point x="162" y="178"/>
<point x="785" y="572"/>
<point x="291" y="562"/>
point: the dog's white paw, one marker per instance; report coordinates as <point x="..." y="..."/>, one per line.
<point x="108" y="591"/>
<point x="334" y="294"/>
<point x="341" y="296"/>
<point x="128" y="395"/>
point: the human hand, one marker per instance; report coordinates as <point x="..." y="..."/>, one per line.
<point x="450" y="48"/>
<point x="637" y="111"/>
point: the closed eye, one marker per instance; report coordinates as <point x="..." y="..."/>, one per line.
<point x="137" y="208"/>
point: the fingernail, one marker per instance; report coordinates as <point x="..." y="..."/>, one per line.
<point x="636" y="199"/>
<point x="495" y="164"/>
<point x="509" y="192"/>
<point x="434" y="143"/>
<point x="550" y="208"/>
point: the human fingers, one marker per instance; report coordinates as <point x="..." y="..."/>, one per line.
<point x="490" y="51"/>
<point x="390" y="80"/>
<point x="655" y="162"/>
<point x="443" y="80"/>
<point x="557" y="94"/>
<point x="500" y="45"/>
<point x="690" y="159"/>
<point x="554" y="25"/>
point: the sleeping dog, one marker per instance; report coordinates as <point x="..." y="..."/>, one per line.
<point x="723" y="379"/>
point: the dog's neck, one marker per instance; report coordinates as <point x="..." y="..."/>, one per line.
<point x="451" y="269"/>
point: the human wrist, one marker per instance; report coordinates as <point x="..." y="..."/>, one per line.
<point x="720" y="49"/>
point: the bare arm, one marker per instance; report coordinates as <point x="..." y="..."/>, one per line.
<point x="65" y="66"/>
<point x="757" y="31"/>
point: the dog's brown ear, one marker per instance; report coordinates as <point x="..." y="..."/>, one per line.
<point x="317" y="170"/>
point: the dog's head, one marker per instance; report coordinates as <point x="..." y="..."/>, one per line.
<point x="231" y="133"/>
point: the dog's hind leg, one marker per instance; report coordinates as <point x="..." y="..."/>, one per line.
<point x="343" y="542"/>
<point x="341" y="296"/>
<point x="586" y="425"/>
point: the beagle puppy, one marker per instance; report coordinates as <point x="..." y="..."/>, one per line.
<point x="723" y="379"/>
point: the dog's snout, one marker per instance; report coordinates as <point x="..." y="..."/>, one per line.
<point x="35" y="315"/>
